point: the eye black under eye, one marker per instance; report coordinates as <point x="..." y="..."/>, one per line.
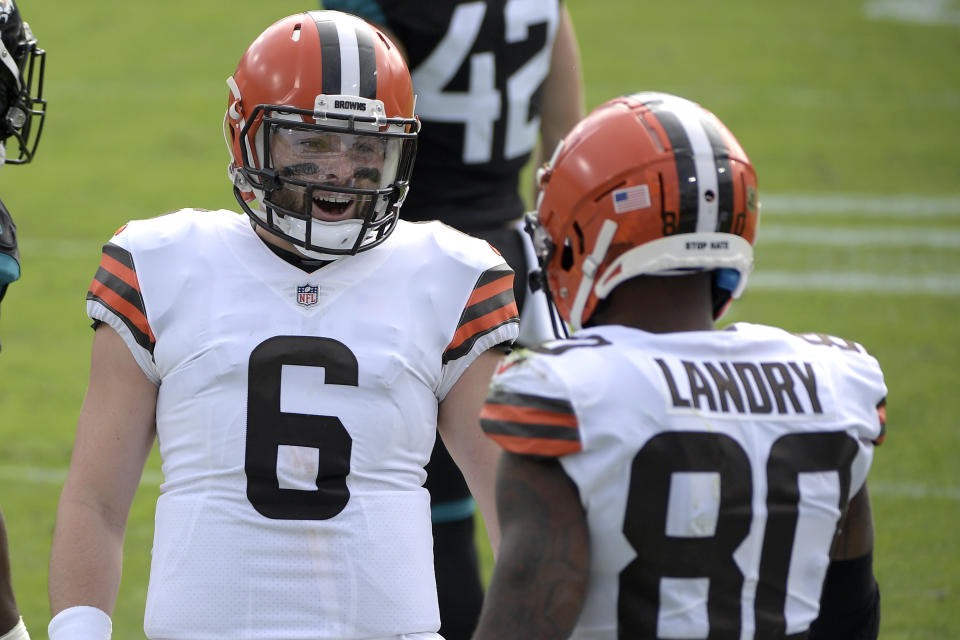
<point x="301" y="169"/>
<point x="367" y="173"/>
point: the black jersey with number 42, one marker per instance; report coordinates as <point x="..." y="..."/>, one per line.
<point x="478" y="70"/>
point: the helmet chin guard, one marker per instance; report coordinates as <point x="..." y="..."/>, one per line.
<point x="346" y="237"/>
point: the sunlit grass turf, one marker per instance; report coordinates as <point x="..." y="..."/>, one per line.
<point x="824" y="101"/>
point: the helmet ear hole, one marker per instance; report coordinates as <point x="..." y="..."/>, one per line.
<point x="566" y="255"/>
<point x="579" y="232"/>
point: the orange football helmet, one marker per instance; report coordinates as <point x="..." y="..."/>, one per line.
<point x="308" y="79"/>
<point x="649" y="183"/>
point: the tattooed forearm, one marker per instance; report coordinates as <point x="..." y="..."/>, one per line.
<point x="540" y="578"/>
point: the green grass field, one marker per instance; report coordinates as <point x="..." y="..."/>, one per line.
<point x="850" y="111"/>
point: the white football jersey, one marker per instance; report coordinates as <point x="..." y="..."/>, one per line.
<point x="713" y="467"/>
<point x="295" y="415"/>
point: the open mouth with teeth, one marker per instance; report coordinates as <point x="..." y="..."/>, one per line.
<point x="330" y="205"/>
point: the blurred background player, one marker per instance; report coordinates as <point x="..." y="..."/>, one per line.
<point x="11" y="624"/>
<point x="295" y="368"/>
<point x="662" y="478"/>
<point x="22" y="110"/>
<point x="491" y="77"/>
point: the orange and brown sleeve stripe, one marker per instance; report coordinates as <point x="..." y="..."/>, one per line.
<point x="115" y="285"/>
<point x="530" y="424"/>
<point x="491" y="305"/>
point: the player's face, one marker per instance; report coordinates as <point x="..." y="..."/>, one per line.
<point x="325" y="158"/>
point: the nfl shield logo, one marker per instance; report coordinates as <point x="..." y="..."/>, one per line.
<point x="307" y="295"/>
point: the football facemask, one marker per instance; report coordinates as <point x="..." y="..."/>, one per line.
<point x="22" y="107"/>
<point x="323" y="158"/>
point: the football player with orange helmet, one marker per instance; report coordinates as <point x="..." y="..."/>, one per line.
<point x="323" y="209"/>
<point x="667" y="190"/>
<point x="662" y="478"/>
<point x="295" y="364"/>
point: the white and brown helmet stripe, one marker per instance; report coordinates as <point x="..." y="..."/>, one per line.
<point x="348" y="56"/>
<point x="702" y="155"/>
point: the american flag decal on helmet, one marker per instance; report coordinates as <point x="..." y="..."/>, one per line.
<point x="524" y="423"/>
<point x="490" y="306"/>
<point x="115" y="285"/>
<point x="348" y="57"/>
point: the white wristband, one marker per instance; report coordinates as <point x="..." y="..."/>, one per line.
<point x="80" y="623"/>
<point x="19" y="632"/>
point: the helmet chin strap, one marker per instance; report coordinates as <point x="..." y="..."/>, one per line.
<point x="231" y="115"/>
<point x="589" y="269"/>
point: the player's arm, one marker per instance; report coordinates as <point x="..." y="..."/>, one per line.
<point x="9" y="254"/>
<point x="563" y="101"/>
<point x="115" y="432"/>
<point x="458" y="422"/>
<point x="9" y="614"/>
<point x="850" y="602"/>
<point x="540" y="578"/>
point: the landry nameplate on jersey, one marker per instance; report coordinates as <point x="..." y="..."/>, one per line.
<point x="766" y="388"/>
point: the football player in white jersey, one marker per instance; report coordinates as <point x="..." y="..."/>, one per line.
<point x="294" y="365"/>
<point x="22" y="111"/>
<point x="662" y="478"/>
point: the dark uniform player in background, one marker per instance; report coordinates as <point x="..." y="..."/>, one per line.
<point x="22" y="111"/>
<point x="21" y="71"/>
<point x="491" y="77"/>
<point x="11" y="624"/>
<point x="662" y="478"/>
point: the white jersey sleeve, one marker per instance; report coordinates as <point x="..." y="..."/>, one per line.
<point x="489" y="314"/>
<point x="114" y="298"/>
<point x="713" y="468"/>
